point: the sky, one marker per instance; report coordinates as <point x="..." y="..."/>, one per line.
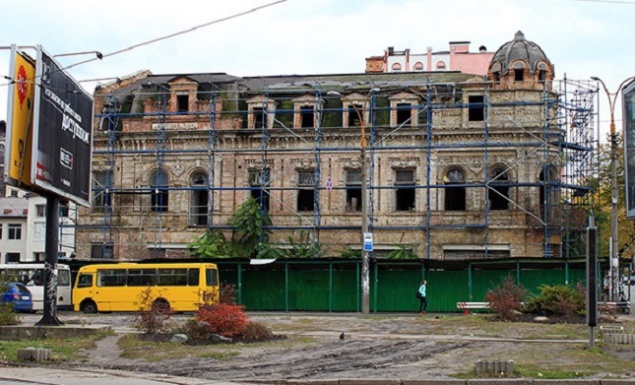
<point x="583" y="38"/>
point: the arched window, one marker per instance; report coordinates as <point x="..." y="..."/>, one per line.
<point x="454" y="195"/>
<point x="396" y="67"/>
<point x="542" y="72"/>
<point x="418" y="66"/>
<point x="498" y="191"/>
<point x="160" y="193"/>
<point x="199" y="199"/>
<point x="519" y="71"/>
<point x="441" y="66"/>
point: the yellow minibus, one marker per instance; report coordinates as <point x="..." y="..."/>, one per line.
<point x="127" y="286"/>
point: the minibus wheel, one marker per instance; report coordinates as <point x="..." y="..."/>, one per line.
<point x="89" y="307"/>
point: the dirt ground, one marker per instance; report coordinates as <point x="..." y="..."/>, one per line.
<point x="376" y="346"/>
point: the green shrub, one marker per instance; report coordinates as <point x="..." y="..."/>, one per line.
<point x="506" y="299"/>
<point x="559" y="300"/>
<point x="7" y="315"/>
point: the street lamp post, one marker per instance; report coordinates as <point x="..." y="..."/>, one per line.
<point x="614" y="257"/>
<point x="364" y="193"/>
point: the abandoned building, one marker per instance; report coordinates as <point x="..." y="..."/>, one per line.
<point x="446" y="164"/>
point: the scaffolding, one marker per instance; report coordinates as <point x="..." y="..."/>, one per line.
<point x="457" y="168"/>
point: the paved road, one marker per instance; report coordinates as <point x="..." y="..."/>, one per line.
<point x="52" y="376"/>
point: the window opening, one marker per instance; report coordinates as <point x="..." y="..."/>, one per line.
<point x="396" y="67"/>
<point x="260" y="117"/>
<point x="15" y="231"/>
<point x="259" y="181"/>
<point x="404" y="112"/>
<point x="498" y="192"/>
<point x="418" y="66"/>
<point x="454" y="195"/>
<point x="353" y="190"/>
<point x="13" y="257"/>
<point x="405" y="192"/>
<point x="353" y="115"/>
<point x="440" y="66"/>
<point x="306" y="191"/>
<point x="199" y="199"/>
<point x="307" y="117"/>
<point x="183" y="103"/>
<point x="39" y="211"/>
<point x="519" y="74"/>
<point x="160" y="194"/>
<point x="101" y="251"/>
<point x="476" y="107"/>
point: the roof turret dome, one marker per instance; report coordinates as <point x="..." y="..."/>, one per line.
<point x="519" y="49"/>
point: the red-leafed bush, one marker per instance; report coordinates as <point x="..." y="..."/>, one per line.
<point x="506" y="300"/>
<point x="223" y="319"/>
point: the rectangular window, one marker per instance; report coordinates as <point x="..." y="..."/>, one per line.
<point x="354" y="190"/>
<point x="306" y="191"/>
<point x="355" y="112"/>
<point x="101" y="251"/>
<point x="85" y="280"/>
<point x="476" y="108"/>
<point x="183" y="103"/>
<point x="258" y="182"/>
<point x="405" y="196"/>
<point x="39" y="211"/>
<point x="13" y="257"/>
<point x="260" y="117"/>
<point x="111" y="277"/>
<point x="64" y="211"/>
<point x="142" y="277"/>
<point x="519" y="74"/>
<point x="15" y="231"/>
<point x="172" y="277"/>
<point x="306" y="116"/>
<point x="404" y="113"/>
<point x="1" y="227"/>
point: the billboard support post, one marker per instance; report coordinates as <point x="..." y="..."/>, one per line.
<point x="51" y="242"/>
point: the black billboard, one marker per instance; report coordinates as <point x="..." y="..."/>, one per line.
<point x="62" y="133"/>
<point x="628" y="121"/>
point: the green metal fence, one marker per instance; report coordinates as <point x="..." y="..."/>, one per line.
<point x="334" y="285"/>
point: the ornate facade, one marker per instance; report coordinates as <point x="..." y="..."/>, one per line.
<point x="459" y="166"/>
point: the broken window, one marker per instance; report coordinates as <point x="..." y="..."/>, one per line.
<point x="183" y="103"/>
<point x="404" y="113"/>
<point x="405" y="191"/>
<point x="354" y="115"/>
<point x="498" y="191"/>
<point x="353" y="190"/>
<point x="454" y="194"/>
<point x="160" y="194"/>
<point x="259" y="117"/>
<point x="199" y="199"/>
<point x="306" y="191"/>
<point x="476" y="112"/>
<point x="307" y="119"/>
<point x="259" y="183"/>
